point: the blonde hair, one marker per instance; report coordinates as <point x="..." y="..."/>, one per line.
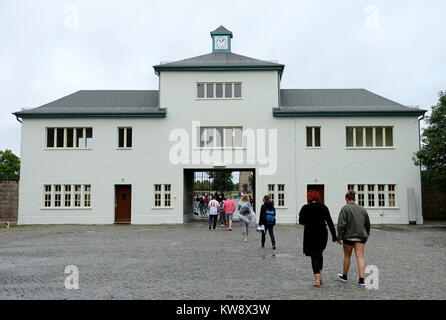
<point x="350" y="195"/>
<point x="245" y="198"/>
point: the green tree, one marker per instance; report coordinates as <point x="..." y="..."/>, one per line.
<point x="9" y="165"/>
<point x="222" y="181"/>
<point x="432" y="155"/>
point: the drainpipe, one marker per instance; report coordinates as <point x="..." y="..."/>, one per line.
<point x="419" y="148"/>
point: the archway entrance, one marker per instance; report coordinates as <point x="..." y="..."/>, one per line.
<point x="219" y="182"/>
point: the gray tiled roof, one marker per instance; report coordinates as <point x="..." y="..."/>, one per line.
<point x="341" y="101"/>
<point x="220" y="30"/>
<point x="219" y="60"/>
<point x="111" y="102"/>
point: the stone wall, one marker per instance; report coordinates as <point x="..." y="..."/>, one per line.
<point x="434" y="203"/>
<point x="9" y="200"/>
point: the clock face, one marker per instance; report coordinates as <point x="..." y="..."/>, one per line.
<point x="221" y="42"/>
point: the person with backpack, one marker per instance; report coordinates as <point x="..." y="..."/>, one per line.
<point x="315" y="217"/>
<point x="268" y="219"/>
<point x="353" y="232"/>
<point x="213" y="209"/>
<point x="245" y="215"/>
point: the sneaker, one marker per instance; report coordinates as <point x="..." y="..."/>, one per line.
<point x="342" y="277"/>
<point x="361" y="282"/>
<point x="274" y="247"/>
<point x="246" y="239"/>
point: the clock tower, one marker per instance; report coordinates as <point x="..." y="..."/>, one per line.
<point x="221" y="40"/>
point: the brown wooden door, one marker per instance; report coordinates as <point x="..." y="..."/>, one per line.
<point x="123" y="203"/>
<point x="319" y="188"/>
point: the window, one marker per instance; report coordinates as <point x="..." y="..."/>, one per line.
<point x="47" y="195"/>
<point x="271" y="193"/>
<point x="219" y="137"/>
<point x="87" y="195"/>
<point x="219" y="90"/>
<point x="200" y="90"/>
<point x="57" y="195"/>
<point x="382" y="190"/>
<point x="69" y="138"/>
<point x="381" y="195"/>
<point x="68" y="191"/>
<point x="228" y="90"/>
<point x="313" y="137"/>
<point x="370" y="137"/>
<point x="163" y="195"/>
<point x="371" y="195"/>
<point x="125" y="138"/>
<point x="277" y="192"/>
<point x="237" y="90"/>
<point x="77" y="195"/>
<point x="67" y="195"/>
<point x="361" y="195"/>
<point x="209" y="90"/>
<point x="157" y="195"/>
<point x="391" y="191"/>
<point x="281" y="195"/>
<point x="167" y="195"/>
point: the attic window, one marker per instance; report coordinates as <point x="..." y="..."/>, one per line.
<point x="219" y="90"/>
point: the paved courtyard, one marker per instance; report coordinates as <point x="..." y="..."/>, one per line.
<point x="190" y="262"/>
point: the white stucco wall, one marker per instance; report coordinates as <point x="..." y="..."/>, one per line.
<point x="104" y="165"/>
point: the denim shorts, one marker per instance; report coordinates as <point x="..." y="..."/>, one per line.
<point x="229" y="217"/>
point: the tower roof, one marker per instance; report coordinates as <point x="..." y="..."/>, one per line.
<point x="221" y="30"/>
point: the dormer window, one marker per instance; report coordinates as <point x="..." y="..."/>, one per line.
<point x="219" y="90"/>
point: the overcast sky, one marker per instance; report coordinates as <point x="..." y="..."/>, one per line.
<point x="49" y="49"/>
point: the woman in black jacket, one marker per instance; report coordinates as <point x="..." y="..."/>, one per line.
<point x="315" y="217"/>
<point x="268" y="219"/>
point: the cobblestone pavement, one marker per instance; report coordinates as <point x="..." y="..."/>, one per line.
<point x="190" y="262"/>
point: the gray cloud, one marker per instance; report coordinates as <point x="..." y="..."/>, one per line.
<point x="324" y="44"/>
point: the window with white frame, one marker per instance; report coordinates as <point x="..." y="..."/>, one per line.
<point x="67" y="196"/>
<point x="158" y="193"/>
<point x="167" y="195"/>
<point x="57" y="195"/>
<point x="219" y="90"/>
<point x="361" y="201"/>
<point x="378" y="196"/>
<point x="371" y="195"/>
<point x="281" y="195"/>
<point x="47" y="195"/>
<point x="125" y="138"/>
<point x="272" y="193"/>
<point x="313" y="137"/>
<point x="163" y="195"/>
<point x="87" y="195"/>
<point x="219" y="137"/>
<point x="77" y="195"/>
<point x="277" y="191"/>
<point x="391" y="195"/>
<point x="69" y="138"/>
<point x="369" y="137"/>
<point x="381" y="195"/>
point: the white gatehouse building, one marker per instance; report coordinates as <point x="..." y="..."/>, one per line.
<point x="129" y="156"/>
